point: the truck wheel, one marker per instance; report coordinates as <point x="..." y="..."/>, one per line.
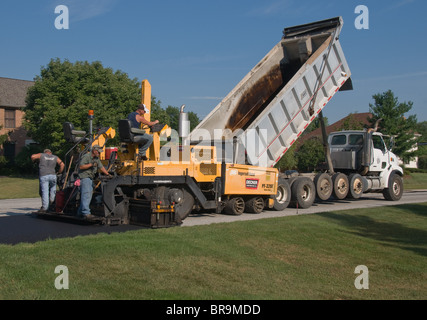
<point x="356" y="186"/>
<point x="303" y="193"/>
<point x="394" y="191"/>
<point x="283" y="196"/>
<point x="255" y="205"/>
<point x="340" y="183"/>
<point x="235" y="206"/>
<point x="323" y="183"/>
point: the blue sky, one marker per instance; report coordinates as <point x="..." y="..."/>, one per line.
<point x="195" y="52"/>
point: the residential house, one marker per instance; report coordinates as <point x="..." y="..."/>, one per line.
<point x="12" y="101"/>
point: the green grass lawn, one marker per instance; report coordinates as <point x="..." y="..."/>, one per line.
<point x="415" y="181"/>
<point x="296" y="257"/>
<point x="16" y="188"/>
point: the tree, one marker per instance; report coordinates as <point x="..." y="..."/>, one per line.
<point x="394" y="122"/>
<point x="3" y="137"/>
<point x="310" y="154"/>
<point x="315" y="125"/>
<point x="422" y="130"/>
<point x="66" y="91"/>
<point x="289" y="160"/>
<point x="158" y="113"/>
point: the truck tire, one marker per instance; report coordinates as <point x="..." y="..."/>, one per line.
<point x="356" y="186"/>
<point x="255" y="205"/>
<point x="303" y="193"/>
<point x="340" y="184"/>
<point x="323" y="183"/>
<point x="394" y="191"/>
<point x="283" y="196"/>
<point x="235" y="206"/>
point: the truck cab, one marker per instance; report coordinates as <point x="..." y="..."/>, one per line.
<point x="365" y="153"/>
<point x="362" y="151"/>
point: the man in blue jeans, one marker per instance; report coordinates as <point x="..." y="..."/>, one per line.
<point x="89" y="166"/>
<point x="143" y="139"/>
<point x="47" y="176"/>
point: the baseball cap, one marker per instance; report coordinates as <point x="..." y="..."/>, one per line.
<point x="144" y="107"/>
<point x="97" y="147"/>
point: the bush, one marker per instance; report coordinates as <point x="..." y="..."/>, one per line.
<point x="310" y="155"/>
<point x="288" y="161"/>
<point x="22" y="164"/>
<point x="422" y="162"/>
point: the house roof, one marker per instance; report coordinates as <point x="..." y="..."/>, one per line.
<point x="13" y="92"/>
<point x="357" y="118"/>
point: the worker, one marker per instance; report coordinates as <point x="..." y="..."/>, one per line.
<point x="141" y="137"/>
<point x="47" y="177"/>
<point x="88" y="167"/>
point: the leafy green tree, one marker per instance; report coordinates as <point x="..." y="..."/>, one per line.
<point x="3" y="137"/>
<point x="173" y="113"/>
<point x="315" y="125"/>
<point x="23" y="161"/>
<point x="194" y="120"/>
<point x="66" y="91"/>
<point x="289" y="161"/>
<point x="422" y="130"/>
<point x="310" y="154"/>
<point x="158" y="113"/>
<point x="394" y="122"/>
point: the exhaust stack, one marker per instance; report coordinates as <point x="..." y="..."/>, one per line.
<point x="184" y="125"/>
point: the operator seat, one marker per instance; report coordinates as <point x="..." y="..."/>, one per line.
<point x="125" y="131"/>
<point x="72" y="135"/>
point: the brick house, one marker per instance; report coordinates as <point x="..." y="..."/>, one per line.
<point x="354" y="119"/>
<point x="12" y="101"/>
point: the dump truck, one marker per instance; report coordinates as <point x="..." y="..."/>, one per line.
<point x="227" y="163"/>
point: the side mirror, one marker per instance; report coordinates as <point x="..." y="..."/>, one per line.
<point x="391" y="146"/>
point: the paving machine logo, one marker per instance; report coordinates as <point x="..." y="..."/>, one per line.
<point x="252" y="183"/>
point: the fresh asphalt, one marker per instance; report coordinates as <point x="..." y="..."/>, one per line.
<point x="19" y="224"/>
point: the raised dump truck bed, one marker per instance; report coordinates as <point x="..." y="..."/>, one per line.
<point x="276" y="101"/>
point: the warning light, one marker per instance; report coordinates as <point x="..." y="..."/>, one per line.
<point x="91" y="112"/>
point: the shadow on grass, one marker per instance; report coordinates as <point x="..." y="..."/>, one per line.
<point x="391" y="233"/>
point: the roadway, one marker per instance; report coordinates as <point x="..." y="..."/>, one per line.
<point x="17" y="224"/>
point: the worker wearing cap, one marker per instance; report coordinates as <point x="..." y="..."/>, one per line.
<point x="143" y="139"/>
<point x="89" y="166"/>
<point x="47" y="176"/>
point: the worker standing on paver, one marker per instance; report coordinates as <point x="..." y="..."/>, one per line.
<point x="47" y="176"/>
<point x="89" y="166"/>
